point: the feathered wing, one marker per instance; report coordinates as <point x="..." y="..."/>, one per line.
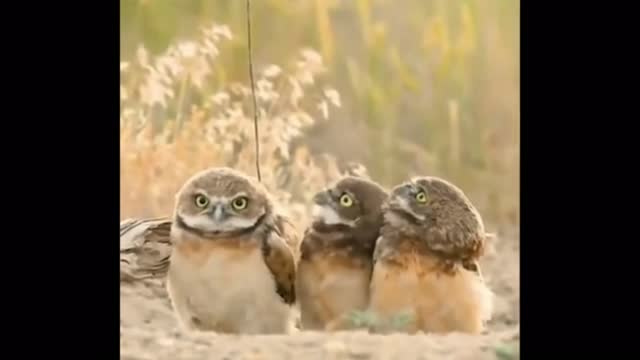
<point x="455" y="244"/>
<point x="279" y="258"/>
<point x="145" y="248"/>
<point x="289" y="233"/>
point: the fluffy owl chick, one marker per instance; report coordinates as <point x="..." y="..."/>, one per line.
<point x="230" y="269"/>
<point x="336" y="253"/>
<point x="426" y="260"/>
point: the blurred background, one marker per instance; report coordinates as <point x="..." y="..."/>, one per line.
<point x="412" y="87"/>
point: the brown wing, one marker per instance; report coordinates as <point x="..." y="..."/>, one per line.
<point x="472" y="264"/>
<point x="144" y="248"/>
<point x="281" y="262"/>
<point x="455" y="244"/>
<point x="288" y="232"/>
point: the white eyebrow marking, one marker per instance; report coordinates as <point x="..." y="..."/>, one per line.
<point x="215" y="199"/>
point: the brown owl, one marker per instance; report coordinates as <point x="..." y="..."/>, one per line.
<point x="230" y="269"/>
<point x="426" y="260"/>
<point x="336" y="252"/>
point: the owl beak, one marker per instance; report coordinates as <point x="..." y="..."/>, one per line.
<point x="321" y="198"/>
<point x="412" y="189"/>
<point x="400" y="196"/>
<point x="218" y="213"/>
<point x="403" y="192"/>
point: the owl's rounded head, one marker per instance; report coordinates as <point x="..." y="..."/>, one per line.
<point x="350" y="203"/>
<point x="432" y="202"/>
<point x="221" y="201"/>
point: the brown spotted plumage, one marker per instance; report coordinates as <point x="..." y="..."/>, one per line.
<point x="426" y="260"/>
<point x="336" y="252"/>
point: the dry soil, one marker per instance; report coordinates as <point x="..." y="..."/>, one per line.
<point x="148" y="329"/>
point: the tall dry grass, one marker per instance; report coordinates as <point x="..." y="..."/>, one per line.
<point x="163" y="142"/>
<point x="427" y="86"/>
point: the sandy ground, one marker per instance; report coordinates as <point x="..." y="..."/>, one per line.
<point x="149" y="330"/>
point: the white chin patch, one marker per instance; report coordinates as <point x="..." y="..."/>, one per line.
<point x="206" y="224"/>
<point x="328" y="216"/>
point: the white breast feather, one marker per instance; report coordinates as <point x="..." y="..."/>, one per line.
<point x="230" y="289"/>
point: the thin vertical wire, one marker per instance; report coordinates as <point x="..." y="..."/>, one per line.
<point x="253" y="91"/>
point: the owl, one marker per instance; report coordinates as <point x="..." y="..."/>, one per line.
<point x="230" y="269"/>
<point x="336" y="253"/>
<point x="426" y="269"/>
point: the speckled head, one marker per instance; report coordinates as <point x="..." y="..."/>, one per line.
<point x="220" y="201"/>
<point x="432" y="202"/>
<point x="351" y="202"/>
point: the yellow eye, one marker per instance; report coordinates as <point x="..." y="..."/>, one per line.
<point x="240" y="203"/>
<point x="421" y="197"/>
<point x="201" y="201"/>
<point x="346" y="201"/>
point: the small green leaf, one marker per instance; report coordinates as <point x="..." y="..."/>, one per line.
<point x="507" y="352"/>
<point x="401" y="321"/>
<point x="362" y="318"/>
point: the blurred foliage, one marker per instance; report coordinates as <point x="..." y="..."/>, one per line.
<point x="427" y="86"/>
<point x="509" y="351"/>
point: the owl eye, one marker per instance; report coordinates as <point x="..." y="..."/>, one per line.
<point x="240" y="203"/>
<point x="345" y="200"/>
<point x="201" y="201"/>
<point x="421" y="197"/>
